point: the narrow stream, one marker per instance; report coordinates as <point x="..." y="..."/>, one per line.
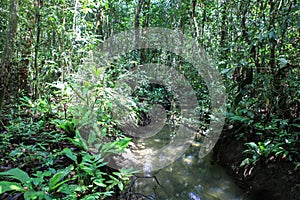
<point x="188" y="178"/>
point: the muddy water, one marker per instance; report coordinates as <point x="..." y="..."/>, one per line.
<point x="188" y="178"/>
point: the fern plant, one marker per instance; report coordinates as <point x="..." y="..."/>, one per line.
<point x="34" y="187"/>
<point x="92" y="177"/>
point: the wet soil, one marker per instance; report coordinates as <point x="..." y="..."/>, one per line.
<point x="267" y="180"/>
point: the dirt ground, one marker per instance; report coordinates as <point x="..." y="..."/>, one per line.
<point x="267" y="180"/>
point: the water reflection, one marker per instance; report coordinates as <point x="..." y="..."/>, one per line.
<point x="154" y="153"/>
<point x="188" y="178"/>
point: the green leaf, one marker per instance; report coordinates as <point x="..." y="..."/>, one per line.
<point x="278" y="152"/>
<point x="8" y="186"/>
<point x="108" y="147"/>
<point x="113" y="179"/>
<point x="16" y="173"/>
<point x="100" y="182"/>
<point x="282" y="62"/>
<point x="70" y="154"/>
<point x="55" y="181"/>
<point x="106" y="5"/>
<point x="88" y="170"/>
<point x="92" y="137"/>
<point x="245" y="162"/>
<point x="225" y="71"/>
<point x="296" y="125"/>
<point x="93" y="196"/>
<point x="123" y="143"/>
<point x="239" y="118"/>
<point x="87" y="84"/>
<point x="98" y="72"/>
<point x="252" y="145"/>
<point x="120" y="186"/>
<point x="261" y="147"/>
<point x="249" y="151"/>
<point x="31" y="194"/>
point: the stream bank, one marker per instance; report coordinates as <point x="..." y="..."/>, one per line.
<point x="271" y="180"/>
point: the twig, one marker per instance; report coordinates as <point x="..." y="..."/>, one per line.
<point x="2" y="125"/>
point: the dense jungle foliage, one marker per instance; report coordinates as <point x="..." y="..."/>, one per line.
<point x="44" y="43"/>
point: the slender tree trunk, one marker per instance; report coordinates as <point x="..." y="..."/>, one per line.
<point x="273" y="43"/>
<point x="26" y="53"/>
<point x="224" y="29"/>
<point x="147" y="14"/>
<point x="137" y="24"/>
<point x="99" y="30"/>
<point x="36" y="48"/>
<point x="74" y="30"/>
<point x="194" y="16"/>
<point x="137" y="20"/>
<point x="183" y="19"/>
<point x="145" y="53"/>
<point x="5" y="67"/>
<point x="203" y="19"/>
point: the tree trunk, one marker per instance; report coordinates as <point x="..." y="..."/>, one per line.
<point x="224" y="29"/>
<point x="194" y="16"/>
<point x="273" y="42"/>
<point x="5" y="67"/>
<point x="37" y="6"/>
<point x="137" y="24"/>
<point x="137" y="18"/>
<point x="145" y="52"/>
<point x="99" y="30"/>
